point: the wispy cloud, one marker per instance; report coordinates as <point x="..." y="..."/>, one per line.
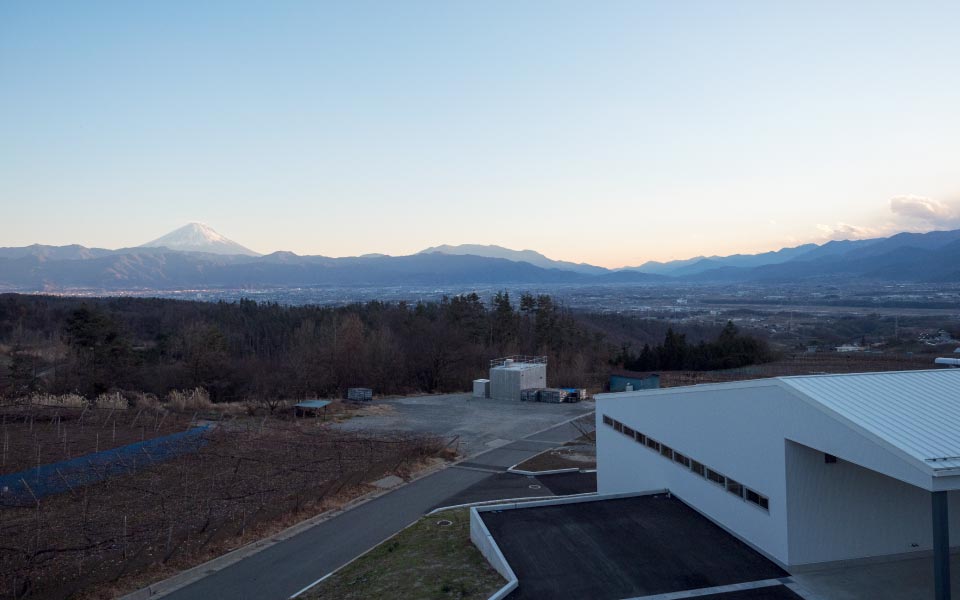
<point x="919" y="210"/>
<point x="846" y="231"/>
<point x="907" y="213"/>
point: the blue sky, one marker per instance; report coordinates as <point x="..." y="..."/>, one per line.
<point x="612" y="132"/>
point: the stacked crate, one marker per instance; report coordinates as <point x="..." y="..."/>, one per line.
<point x="530" y="395"/>
<point x="359" y="394"/>
<point x="553" y="395"/>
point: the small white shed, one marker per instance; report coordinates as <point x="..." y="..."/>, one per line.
<point x="481" y="388"/>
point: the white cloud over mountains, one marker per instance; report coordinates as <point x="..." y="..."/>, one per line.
<point x="907" y="213"/>
<point x="846" y="231"/>
<point x="927" y="211"/>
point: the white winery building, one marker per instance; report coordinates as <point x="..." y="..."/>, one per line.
<point x="808" y="470"/>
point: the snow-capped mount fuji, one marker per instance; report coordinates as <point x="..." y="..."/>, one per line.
<point x="197" y="237"/>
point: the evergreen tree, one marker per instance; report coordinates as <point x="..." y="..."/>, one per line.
<point x="673" y="354"/>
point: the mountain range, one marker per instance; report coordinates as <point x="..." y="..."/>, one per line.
<point x="198" y="256"/>
<point x="528" y="256"/>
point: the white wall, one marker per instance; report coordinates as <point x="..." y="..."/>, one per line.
<point x="533" y="377"/>
<point x="841" y="511"/>
<point x="726" y="430"/>
<point x="741" y="431"/>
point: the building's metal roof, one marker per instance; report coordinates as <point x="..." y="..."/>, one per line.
<point x="313" y="403"/>
<point x="917" y="412"/>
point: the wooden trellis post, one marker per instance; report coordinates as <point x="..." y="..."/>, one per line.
<point x="37" y="500"/>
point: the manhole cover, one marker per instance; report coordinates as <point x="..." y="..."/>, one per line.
<point x="444" y="523"/>
<point x="534" y="486"/>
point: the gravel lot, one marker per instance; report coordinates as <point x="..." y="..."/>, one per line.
<point x="481" y="423"/>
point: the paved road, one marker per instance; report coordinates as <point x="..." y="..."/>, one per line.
<point x="287" y="567"/>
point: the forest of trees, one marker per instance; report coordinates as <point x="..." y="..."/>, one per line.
<point x="729" y="350"/>
<point x="255" y="351"/>
<point x="248" y="350"/>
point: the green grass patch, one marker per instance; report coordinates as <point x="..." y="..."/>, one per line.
<point x="425" y="561"/>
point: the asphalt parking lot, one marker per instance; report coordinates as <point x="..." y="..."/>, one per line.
<point x="510" y="485"/>
<point x="564" y="484"/>
<point x="626" y="548"/>
<point x="779" y="592"/>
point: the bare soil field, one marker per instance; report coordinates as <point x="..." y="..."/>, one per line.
<point x="580" y="453"/>
<point x="577" y="456"/>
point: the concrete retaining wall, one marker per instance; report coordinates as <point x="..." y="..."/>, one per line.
<point x="564" y="500"/>
<point x="481" y="538"/>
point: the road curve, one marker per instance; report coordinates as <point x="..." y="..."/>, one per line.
<point x="287" y="567"/>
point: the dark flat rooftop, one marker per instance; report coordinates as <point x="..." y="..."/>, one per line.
<point x="777" y="592"/>
<point x="624" y="548"/>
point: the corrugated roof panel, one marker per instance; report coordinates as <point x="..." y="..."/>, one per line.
<point x="313" y="403"/>
<point x="915" y="411"/>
